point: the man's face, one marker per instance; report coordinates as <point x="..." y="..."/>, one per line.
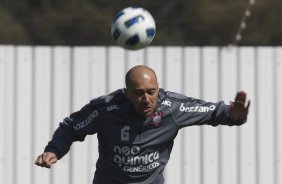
<point x="143" y="94"/>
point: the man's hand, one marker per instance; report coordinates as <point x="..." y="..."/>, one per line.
<point x="46" y="159"/>
<point x="239" y="109"/>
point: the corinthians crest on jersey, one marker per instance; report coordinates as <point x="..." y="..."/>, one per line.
<point x="156" y="119"/>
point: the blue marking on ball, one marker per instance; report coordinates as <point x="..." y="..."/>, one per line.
<point x="133" y="40"/>
<point x="116" y="34"/>
<point x="134" y="20"/>
<point x="150" y="32"/>
<point x="118" y="16"/>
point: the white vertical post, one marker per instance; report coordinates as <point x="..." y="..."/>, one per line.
<point x="23" y="128"/>
<point x="134" y="58"/>
<point x="116" y="68"/>
<point x="155" y="60"/>
<point x="192" y="135"/>
<point x="173" y="82"/>
<point x="42" y="108"/>
<point x="81" y="97"/>
<point x="247" y="135"/>
<point x="61" y="105"/>
<point x="8" y="114"/>
<point x="98" y="85"/>
<point x="228" y="137"/>
<point x="265" y="115"/>
<point x="2" y="117"/>
<point x="278" y="102"/>
<point x="98" y="71"/>
<point x="210" y="91"/>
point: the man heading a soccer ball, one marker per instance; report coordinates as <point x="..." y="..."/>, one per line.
<point x="136" y="127"/>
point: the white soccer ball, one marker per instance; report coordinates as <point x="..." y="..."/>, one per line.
<point x="133" y="28"/>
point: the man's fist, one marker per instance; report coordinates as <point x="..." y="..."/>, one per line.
<point x="46" y="159"/>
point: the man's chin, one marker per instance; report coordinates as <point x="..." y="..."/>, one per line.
<point x="148" y="113"/>
<point x="145" y="114"/>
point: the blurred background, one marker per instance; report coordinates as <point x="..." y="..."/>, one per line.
<point x="179" y="22"/>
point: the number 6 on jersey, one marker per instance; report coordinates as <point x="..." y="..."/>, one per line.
<point x="124" y="133"/>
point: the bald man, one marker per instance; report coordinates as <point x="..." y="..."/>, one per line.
<point x="136" y="127"/>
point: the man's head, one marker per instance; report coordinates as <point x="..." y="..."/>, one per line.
<point x="142" y="89"/>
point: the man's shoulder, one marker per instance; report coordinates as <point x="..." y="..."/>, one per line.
<point x="173" y="96"/>
<point x="115" y="97"/>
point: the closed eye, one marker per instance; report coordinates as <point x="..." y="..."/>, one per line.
<point x="151" y="92"/>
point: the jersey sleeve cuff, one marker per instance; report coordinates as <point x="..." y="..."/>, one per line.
<point x="53" y="150"/>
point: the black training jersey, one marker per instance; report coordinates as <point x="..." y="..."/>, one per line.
<point x="133" y="148"/>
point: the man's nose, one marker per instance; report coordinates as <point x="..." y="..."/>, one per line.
<point x="146" y="98"/>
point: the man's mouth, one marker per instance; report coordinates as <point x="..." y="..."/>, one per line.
<point x="147" y="109"/>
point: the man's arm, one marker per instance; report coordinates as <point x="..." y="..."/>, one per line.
<point x="189" y="111"/>
<point x="60" y="144"/>
<point x="73" y="128"/>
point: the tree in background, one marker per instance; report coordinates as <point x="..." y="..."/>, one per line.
<point x="179" y="22"/>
